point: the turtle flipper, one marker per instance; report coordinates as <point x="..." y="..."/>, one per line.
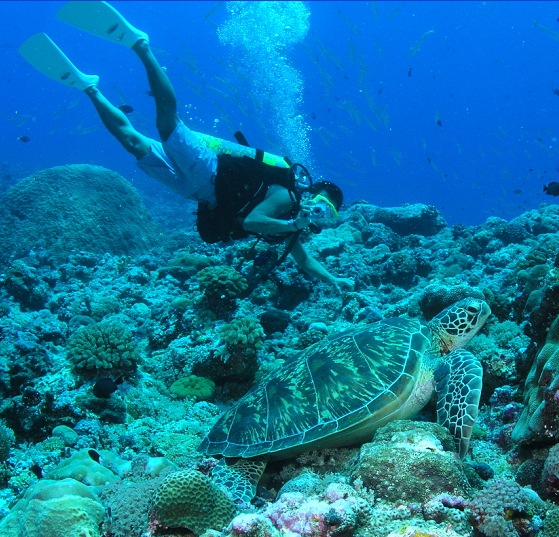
<point x="459" y="382"/>
<point x="240" y="476"/>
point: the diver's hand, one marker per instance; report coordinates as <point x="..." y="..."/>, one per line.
<point x="344" y="283"/>
<point x="301" y="221"/>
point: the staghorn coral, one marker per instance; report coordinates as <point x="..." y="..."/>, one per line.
<point x="103" y="346"/>
<point x="188" y="499"/>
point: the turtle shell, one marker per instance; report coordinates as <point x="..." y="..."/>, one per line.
<point x="336" y="392"/>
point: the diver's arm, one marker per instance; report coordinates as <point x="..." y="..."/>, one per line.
<point x="264" y="219"/>
<point x="313" y="268"/>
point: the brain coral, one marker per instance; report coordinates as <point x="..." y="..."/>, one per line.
<point x="78" y="207"/>
<point x="188" y="499"/>
<point x="103" y="346"/>
<point x="64" y="508"/>
<point x="539" y="418"/>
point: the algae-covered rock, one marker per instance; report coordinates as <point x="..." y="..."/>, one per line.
<point x="410" y="461"/>
<point x="77" y="207"/>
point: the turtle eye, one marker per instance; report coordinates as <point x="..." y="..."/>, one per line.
<point x="472" y="309"/>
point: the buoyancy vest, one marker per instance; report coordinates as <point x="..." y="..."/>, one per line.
<point x="241" y="183"/>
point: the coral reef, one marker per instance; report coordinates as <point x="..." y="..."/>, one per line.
<point x="117" y="302"/>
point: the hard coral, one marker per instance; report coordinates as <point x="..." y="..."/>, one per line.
<point x="539" y="418"/>
<point x="495" y="508"/>
<point x="437" y="297"/>
<point x="103" y="346"/>
<point x="188" y="499"/>
<point x="221" y="283"/>
<point x="193" y="386"/>
<point x="241" y="336"/>
<point x="64" y="508"/>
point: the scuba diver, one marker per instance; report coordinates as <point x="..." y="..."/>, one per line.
<point x="237" y="196"/>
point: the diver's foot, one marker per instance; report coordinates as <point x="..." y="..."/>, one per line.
<point x="102" y="20"/>
<point x="43" y="54"/>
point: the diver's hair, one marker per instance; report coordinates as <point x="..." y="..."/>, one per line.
<point x="334" y="192"/>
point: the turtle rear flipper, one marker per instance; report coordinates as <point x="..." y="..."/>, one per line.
<point x="240" y="476"/>
<point x="459" y="382"/>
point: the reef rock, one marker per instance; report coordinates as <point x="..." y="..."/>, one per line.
<point x="77" y="207"/>
<point x="416" y="219"/>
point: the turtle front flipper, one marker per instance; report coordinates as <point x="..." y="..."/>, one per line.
<point x="459" y="381"/>
<point x="240" y="476"/>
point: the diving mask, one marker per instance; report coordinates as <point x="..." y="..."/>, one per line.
<point x="321" y="207"/>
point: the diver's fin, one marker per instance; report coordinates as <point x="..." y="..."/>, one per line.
<point x="102" y="20"/>
<point x="43" y="54"/>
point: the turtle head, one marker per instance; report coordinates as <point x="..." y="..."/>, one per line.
<point x="457" y="324"/>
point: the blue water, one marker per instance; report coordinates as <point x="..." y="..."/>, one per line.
<point x="487" y="73"/>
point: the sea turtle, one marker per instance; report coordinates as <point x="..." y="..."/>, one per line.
<point x="339" y="391"/>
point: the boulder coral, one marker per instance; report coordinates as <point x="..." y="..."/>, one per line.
<point x="540" y="416"/>
<point x="77" y="207"/>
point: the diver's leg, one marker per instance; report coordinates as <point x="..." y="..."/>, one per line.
<point x="162" y="90"/>
<point x="118" y="124"/>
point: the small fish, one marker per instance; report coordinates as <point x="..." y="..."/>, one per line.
<point x="313" y="115"/>
<point x="547" y="30"/>
<point x="409" y="72"/>
<point x="439" y="123"/>
<point x="518" y="191"/>
<point x="125" y="108"/>
<point x="552" y="189"/>
<point x="24" y="138"/>
<point x="213" y="11"/>
<point x="555" y="91"/>
<point x="94" y="455"/>
<point x="37" y="470"/>
<point x="149" y="92"/>
<point x="415" y="49"/>
<point x="393" y="13"/>
<point x="104" y="387"/>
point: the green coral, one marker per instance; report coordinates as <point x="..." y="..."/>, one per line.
<point x="193" y="386"/>
<point x="188" y="499"/>
<point x="103" y="346"/>
<point x="240" y="336"/>
<point x="221" y="283"/>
